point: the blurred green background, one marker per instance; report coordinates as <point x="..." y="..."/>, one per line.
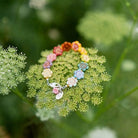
<point x="35" y="25"/>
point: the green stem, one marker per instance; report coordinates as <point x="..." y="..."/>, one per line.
<point x="66" y="128"/>
<point x="117" y="68"/>
<point x="59" y="124"/>
<point x="127" y="4"/>
<point x="20" y="95"/>
<point x="83" y="118"/>
<point x="113" y="103"/>
<point x="116" y="71"/>
<point x="128" y="46"/>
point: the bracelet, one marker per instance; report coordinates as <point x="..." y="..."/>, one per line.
<point x="78" y="74"/>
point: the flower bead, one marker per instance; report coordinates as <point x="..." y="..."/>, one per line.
<point x="55" y="90"/>
<point x="79" y="74"/>
<point x="83" y="66"/>
<point x="85" y="58"/>
<point x="47" y="64"/>
<point x="47" y="73"/>
<point x="72" y="81"/>
<point x="66" y="46"/>
<point x="51" y="57"/>
<point x="58" y="51"/>
<point x="83" y="51"/>
<point x="76" y="45"/>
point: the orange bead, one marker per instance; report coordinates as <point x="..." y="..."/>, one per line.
<point x="76" y="45"/>
<point x="66" y="46"/>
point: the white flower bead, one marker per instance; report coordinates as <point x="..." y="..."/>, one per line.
<point x="47" y="73"/>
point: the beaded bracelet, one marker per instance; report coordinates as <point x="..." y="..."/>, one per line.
<point x="78" y="74"/>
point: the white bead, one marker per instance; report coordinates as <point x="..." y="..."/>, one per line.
<point x="59" y="95"/>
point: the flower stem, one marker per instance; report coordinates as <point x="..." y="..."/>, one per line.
<point x="66" y="128"/>
<point x="117" y="68"/>
<point x="20" y="95"/>
<point x="113" y="103"/>
<point x="116" y="71"/>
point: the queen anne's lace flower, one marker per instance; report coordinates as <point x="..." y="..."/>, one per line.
<point x="76" y="98"/>
<point x="11" y="65"/>
<point x="128" y="65"/>
<point x="104" y="28"/>
<point x="37" y="4"/>
<point x="45" y="114"/>
<point x="99" y="132"/>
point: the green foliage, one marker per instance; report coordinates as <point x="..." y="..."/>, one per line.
<point x="34" y="28"/>
<point x="104" y="28"/>
<point x="87" y="90"/>
<point x="11" y="65"/>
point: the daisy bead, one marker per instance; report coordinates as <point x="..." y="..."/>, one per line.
<point x="83" y="51"/>
<point x="58" y="51"/>
<point x="85" y="58"/>
<point x="76" y="45"/>
<point x="66" y="46"/>
<point x="51" y="57"/>
<point x="79" y="74"/>
<point x="47" y="64"/>
<point x="47" y="73"/>
<point x="72" y="82"/>
<point x="83" y="66"/>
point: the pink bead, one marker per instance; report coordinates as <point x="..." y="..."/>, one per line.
<point x="55" y="90"/>
<point x="51" y="57"/>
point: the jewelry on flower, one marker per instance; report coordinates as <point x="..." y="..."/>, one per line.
<point x="78" y="74"/>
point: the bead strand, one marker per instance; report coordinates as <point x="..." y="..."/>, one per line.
<point x="78" y="74"/>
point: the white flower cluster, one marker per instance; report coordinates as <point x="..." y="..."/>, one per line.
<point x="128" y="65"/>
<point x="37" y="4"/>
<point x="11" y="65"/>
<point x="45" y="114"/>
<point x="104" y="132"/>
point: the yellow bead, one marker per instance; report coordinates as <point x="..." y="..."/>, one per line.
<point x="82" y="51"/>
<point x="85" y="58"/>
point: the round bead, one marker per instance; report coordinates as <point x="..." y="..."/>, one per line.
<point x="55" y="90"/>
<point x="83" y="66"/>
<point x="79" y="74"/>
<point x="72" y="82"/>
<point x="47" y="73"/>
<point x="51" y="57"/>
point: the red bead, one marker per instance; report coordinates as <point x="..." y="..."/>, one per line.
<point x="58" y="51"/>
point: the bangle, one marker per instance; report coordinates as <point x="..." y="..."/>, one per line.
<point x="78" y="74"/>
